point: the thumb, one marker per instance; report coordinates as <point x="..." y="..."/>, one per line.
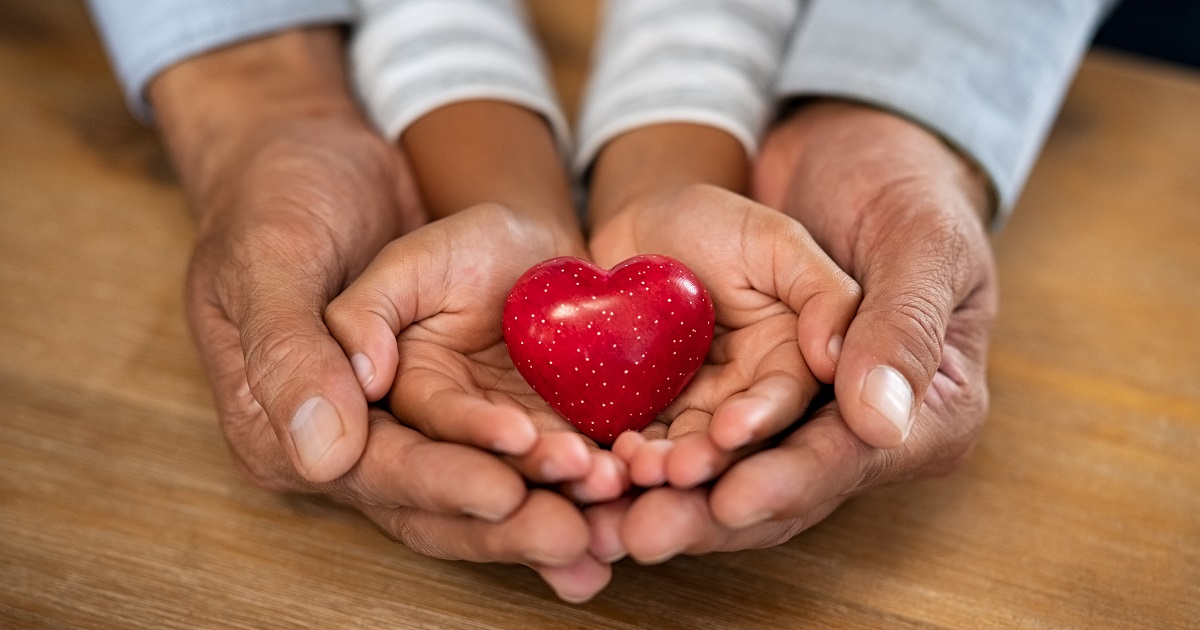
<point x="296" y="370"/>
<point x="797" y="271"/>
<point x="912" y="279"/>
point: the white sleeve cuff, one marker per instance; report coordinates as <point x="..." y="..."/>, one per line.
<point x="411" y="57"/>
<point x="666" y="61"/>
<point x="987" y="76"/>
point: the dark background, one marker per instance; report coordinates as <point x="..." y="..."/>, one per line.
<point x="1166" y="29"/>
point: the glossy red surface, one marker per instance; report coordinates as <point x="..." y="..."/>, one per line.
<point x="608" y="349"/>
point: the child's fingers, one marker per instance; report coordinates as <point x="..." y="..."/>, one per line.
<point x="607" y="480"/>
<point x="648" y="466"/>
<point x="822" y="322"/>
<point x="371" y="312"/>
<point x="557" y="457"/>
<point x="437" y="406"/>
<point x="771" y="404"/>
<point x="804" y="278"/>
<point x="366" y="330"/>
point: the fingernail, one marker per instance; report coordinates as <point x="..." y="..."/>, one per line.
<point x="753" y="416"/>
<point x="706" y="473"/>
<point x="363" y="369"/>
<point x="517" y="441"/>
<point x="553" y="470"/>
<point x="834" y="349"/>
<point x="314" y="429"/>
<point x="886" y="391"/>
<point x="483" y="513"/>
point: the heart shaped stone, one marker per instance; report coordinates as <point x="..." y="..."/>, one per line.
<point x="611" y="349"/>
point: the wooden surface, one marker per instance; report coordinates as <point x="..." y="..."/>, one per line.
<point x="119" y="505"/>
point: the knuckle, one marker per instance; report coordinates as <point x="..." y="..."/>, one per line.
<point x="916" y="327"/>
<point x="273" y="355"/>
<point x="401" y="526"/>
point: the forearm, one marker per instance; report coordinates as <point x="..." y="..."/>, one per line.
<point x="659" y="160"/>
<point x="474" y="152"/>
<point x="211" y="107"/>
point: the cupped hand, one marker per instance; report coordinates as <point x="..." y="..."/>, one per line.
<point x="294" y="195"/>
<point x="903" y="214"/>
<point x="427" y="316"/>
<point x="782" y="308"/>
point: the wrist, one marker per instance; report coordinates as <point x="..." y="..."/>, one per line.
<point x="476" y="152"/>
<point x="215" y="107"/>
<point x="650" y="164"/>
<point x="924" y="154"/>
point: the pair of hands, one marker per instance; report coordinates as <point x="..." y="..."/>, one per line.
<point x="295" y="209"/>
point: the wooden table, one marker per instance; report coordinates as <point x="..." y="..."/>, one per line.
<point x="120" y="507"/>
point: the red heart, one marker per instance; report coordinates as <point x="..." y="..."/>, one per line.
<point x="608" y="349"/>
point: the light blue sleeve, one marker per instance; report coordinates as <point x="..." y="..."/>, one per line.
<point x="986" y="75"/>
<point x="144" y="37"/>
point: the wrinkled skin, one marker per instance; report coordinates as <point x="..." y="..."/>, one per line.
<point x="903" y="214"/>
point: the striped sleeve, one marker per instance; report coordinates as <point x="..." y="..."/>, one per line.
<point x="411" y="57"/>
<point x="710" y="62"/>
<point x="987" y="76"/>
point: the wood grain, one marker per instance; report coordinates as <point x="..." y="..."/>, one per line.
<point x="120" y="507"/>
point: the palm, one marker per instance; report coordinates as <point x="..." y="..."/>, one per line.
<point x="463" y="352"/>
<point x="764" y="273"/>
<point x="755" y="337"/>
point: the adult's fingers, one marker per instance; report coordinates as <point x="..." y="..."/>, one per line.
<point x="401" y="468"/>
<point x="665" y="522"/>
<point x="820" y="462"/>
<point x="579" y="581"/>
<point x="398" y="467"/>
<point x="792" y="267"/>
<point x="295" y="370"/>
<point x="546" y="531"/>
<point x="915" y="273"/>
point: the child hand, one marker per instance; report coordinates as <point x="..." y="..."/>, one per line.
<point x="424" y="321"/>
<point x="782" y="308"/>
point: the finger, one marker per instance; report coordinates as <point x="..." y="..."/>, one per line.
<point x="579" y="581"/>
<point x="256" y="450"/>
<point x="365" y="322"/>
<point x="694" y="460"/>
<point x="807" y="280"/>
<point x="818" y="463"/>
<point x="604" y="520"/>
<point x="663" y="522"/>
<point x="402" y="468"/>
<point x="648" y="467"/>
<point x="546" y="531"/>
<point x="295" y="369"/>
<point x="607" y="480"/>
<point x="436" y="404"/>
<point x="771" y="404"/>
<point x="627" y="444"/>
<point x="557" y="457"/>
<point x="913" y="281"/>
<point x="666" y="522"/>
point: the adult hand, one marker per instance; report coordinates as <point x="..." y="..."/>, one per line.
<point x="294" y="195"/>
<point x="782" y="309"/>
<point x="903" y="214"/>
